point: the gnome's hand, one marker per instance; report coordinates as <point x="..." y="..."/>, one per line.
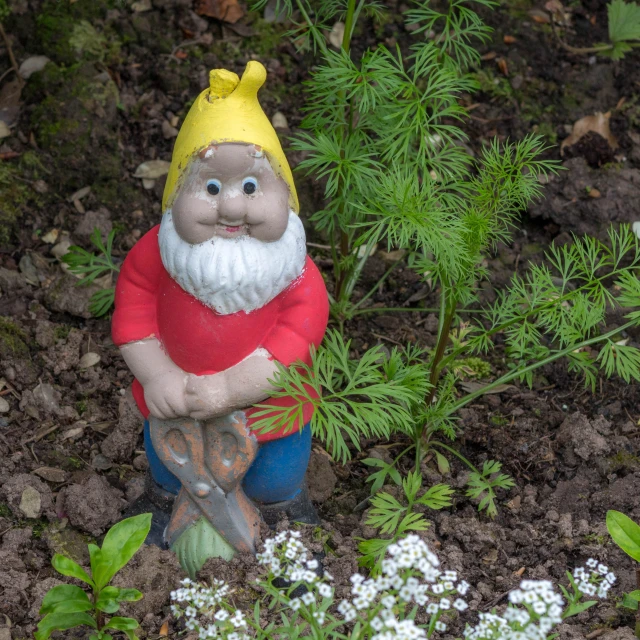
<point x="208" y="396"/>
<point x="165" y="395"/>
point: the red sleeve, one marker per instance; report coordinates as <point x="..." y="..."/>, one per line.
<point x="136" y="292"/>
<point x="302" y="319"/>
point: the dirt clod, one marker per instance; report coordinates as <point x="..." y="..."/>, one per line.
<point x="93" y="505"/>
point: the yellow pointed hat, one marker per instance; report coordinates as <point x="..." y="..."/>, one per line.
<point x="228" y="111"/>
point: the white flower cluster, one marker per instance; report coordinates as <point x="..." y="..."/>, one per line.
<point x="409" y="575"/>
<point x="535" y="609"/>
<point x="285" y="556"/>
<point x="204" y="602"/>
<point x="595" y="579"/>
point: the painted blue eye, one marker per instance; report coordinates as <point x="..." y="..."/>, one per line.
<point x="250" y="185"/>
<point x="213" y="186"/>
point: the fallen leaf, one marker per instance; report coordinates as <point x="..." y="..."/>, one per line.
<point x="539" y="16"/>
<point x="73" y="434"/>
<point x="152" y="169"/>
<point x="51" y="474"/>
<point x="51" y="236"/>
<point x="181" y="55"/>
<point x="79" y="194"/>
<point x="509" y="40"/>
<point x="5" y="132"/>
<point x="597" y="123"/>
<point x="554" y="6"/>
<point x="164" y="629"/>
<point x="519" y="572"/>
<point x="492" y="55"/>
<point x="148" y="183"/>
<point x="79" y="206"/>
<point x="89" y="359"/>
<point x="594" y="193"/>
<point x="336" y="35"/>
<point x="31" y="65"/>
<point x="503" y="66"/>
<point x="225" y="10"/>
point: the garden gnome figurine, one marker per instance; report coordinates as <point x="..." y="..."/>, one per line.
<point x="207" y="303"/>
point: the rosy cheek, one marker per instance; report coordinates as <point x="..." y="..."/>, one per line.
<point x="190" y="212"/>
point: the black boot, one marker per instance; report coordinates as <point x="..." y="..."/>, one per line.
<point x="298" y="509"/>
<point x="159" y="503"/>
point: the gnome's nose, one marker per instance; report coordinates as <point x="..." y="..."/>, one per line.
<point x="232" y="209"/>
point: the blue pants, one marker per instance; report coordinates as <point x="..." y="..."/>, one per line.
<point x="276" y="474"/>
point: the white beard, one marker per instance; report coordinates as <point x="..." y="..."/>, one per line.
<point x="234" y="274"/>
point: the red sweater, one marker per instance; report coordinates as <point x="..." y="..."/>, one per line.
<point x="149" y="303"/>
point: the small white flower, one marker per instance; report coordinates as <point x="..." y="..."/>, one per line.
<point x="325" y="590"/>
<point x="592" y="563"/>
<point x="221" y="615"/>
<point x="319" y="616"/>
<point x="441" y="626"/>
<point x="460" y="604"/>
<point x="308" y="598"/>
<point x="295" y="603"/>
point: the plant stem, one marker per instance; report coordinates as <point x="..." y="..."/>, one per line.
<point x="360" y="312"/>
<point x="448" y="312"/>
<point x="378" y="283"/>
<point x="446" y="447"/>
<point x="508" y="377"/>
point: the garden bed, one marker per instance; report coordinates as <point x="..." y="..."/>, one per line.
<point x="69" y="434"/>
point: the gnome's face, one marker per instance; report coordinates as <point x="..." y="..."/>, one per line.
<point x="230" y="191"/>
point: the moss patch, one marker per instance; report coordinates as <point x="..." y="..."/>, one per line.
<point x="13" y="340"/>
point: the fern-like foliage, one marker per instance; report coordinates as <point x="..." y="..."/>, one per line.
<point x="395" y="519"/>
<point x="483" y="485"/>
<point x="91" y="266"/>
<point x="369" y="396"/>
<point x="624" y="27"/>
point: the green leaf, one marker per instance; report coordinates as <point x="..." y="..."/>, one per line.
<point x="62" y="621"/>
<point x="577" y="607"/>
<point x="123" y="624"/>
<point x="68" y="567"/>
<point x="120" y="544"/>
<point x="443" y="464"/>
<point x="110" y="597"/>
<point x="65" y="598"/>
<point x="625" y="533"/>
<point x="628" y="602"/>
<point x="437" y="497"/>
<point x="624" y="21"/>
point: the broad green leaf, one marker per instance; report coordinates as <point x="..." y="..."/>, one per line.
<point x="624" y="20"/>
<point x="62" y="621"/>
<point x="122" y="624"/>
<point x="634" y="595"/>
<point x="65" y="598"/>
<point x="625" y="533"/>
<point x="120" y="544"/>
<point x="110" y="598"/>
<point x="68" y="567"/>
<point x="629" y="603"/>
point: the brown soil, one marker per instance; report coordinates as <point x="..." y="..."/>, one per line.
<point x="71" y="453"/>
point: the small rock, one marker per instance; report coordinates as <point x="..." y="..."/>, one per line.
<point x="121" y="442"/>
<point x="51" y="474"/>
<point x="5" y="632"/>
<point x="134" y="489"/>
<point x="13" y="493"/>
<point x="279" y="120"/>
<point x="336" y="35"/>
<point x="40" y="186"/>
<point x="28" y="269"/>
<point x="168" y="131"/>
<point x="152" y="169"/>
<point x="579" y="436"/>
<point x="4" y="405"/>
<point x="30" y="503"/>
<point x="89" y="359"/>
<point x="46" y="398"/>
<point x="31" y="65"/>
<point x="62" y="247"/>
<point x="101" y="462"/>
<point x="140" y="463"/>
